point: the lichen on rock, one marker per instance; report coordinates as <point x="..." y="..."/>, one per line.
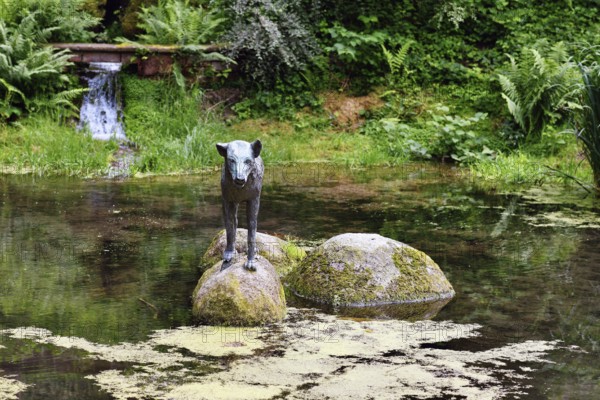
<point x="368" y="269"/>
<point x="238" y="297"/>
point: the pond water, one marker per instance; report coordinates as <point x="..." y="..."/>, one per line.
<point x="90" y="264"/>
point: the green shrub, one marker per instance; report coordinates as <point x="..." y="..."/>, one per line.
<point x="60" y="20"/>
<point x="33" y="76"/>
<point x="441" y="136"/>
<point x="455" y="138"/>
<point x="268" y="39"/>
<point x="177" y="22"/>
<point x="537" y="86"/>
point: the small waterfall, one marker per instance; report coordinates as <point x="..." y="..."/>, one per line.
<point x="101" y="111"/>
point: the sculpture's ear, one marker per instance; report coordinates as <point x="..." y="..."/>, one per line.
<point x="256" y="148"/>
<point x="222" y="149"/>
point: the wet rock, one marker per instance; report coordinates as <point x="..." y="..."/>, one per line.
<point x="282" y="254"/>
<point x="358" y="269"/>
<point x="238" y="297"/>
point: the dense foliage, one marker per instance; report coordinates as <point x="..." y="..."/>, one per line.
<point x="177" y="22"/>
<point x="268" y="37"/>
<point x="62" y="20"/>
<point x="537" y="86"/>
<point x="589" y="118"/>
<point x="33" y="76"/>
<point x="464" y="81"/>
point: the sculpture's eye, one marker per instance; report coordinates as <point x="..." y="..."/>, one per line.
<point x="248" y="161"/>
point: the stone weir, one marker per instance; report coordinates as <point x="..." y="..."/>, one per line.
<point x="150" y="59"/>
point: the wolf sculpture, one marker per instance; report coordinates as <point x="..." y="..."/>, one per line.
<point x="241" y="181"/>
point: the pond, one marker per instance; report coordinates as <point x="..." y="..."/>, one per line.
<point x="96" y="278"/>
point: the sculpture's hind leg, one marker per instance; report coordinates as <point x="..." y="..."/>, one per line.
<point x="230" y="210"/>
<point x="252" y="217"/>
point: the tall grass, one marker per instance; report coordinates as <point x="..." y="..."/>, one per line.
<point x="41" y="146"/>
<point x="528" y="166"/>
<point x="589" y="119"/>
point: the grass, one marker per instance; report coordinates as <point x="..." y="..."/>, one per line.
<point x="589" y="119"/>
<point x="173" y="134"/>
<point x="41" y="146"/>
<point x="527" y="166"/>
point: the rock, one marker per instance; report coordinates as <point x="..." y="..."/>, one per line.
<point x="236" y="296"/>
<point x="282" y="254"/>
<point x="358" y="269"/>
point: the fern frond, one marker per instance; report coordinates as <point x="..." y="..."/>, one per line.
<point x="539" y="62"/>
<point x="10" y="90"/>
<point x="397" y="61"/>
<point x="508" y="87"/>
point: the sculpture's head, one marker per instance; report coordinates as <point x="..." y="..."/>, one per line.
<point x="239" y="159"/>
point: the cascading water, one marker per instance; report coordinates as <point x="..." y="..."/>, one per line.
<point x="101" y="111"/>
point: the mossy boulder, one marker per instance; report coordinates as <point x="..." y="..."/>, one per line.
<point x="282" y="254"/>
<point x="238" y="297"/>
<point x="359" y="269"/>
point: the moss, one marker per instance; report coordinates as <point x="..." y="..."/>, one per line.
<point x="226" y="304"/>
<point x="294" y="252"/>
<point x="420" y="279"/>
<point x="211" y="256"/>
<point x="317" y="280"/>
<point x="416" y="282"/>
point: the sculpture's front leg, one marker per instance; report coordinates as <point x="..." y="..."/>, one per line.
<point x="230" y="210"/>
<point x="252" y="216"/>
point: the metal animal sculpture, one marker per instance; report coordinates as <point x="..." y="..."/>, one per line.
<point x="241" y="181"/>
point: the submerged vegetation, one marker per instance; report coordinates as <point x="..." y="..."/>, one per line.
<point x="494" y="88"/>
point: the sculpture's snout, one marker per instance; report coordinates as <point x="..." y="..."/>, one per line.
<point x="239" y="182"/>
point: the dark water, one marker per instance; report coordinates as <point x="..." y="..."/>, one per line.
<point x="112" y="261"/>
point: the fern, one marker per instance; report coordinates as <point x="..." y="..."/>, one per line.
<point x="397" y="61"/>
<point x="7" y="109"/>
<point x="537" y="86"/>
<point x="59" y="105"/>
<point x="176" y="22"/>
<point x="32" y="74"/>
<point x="56" y="20"/>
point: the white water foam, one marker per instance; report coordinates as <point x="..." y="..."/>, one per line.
<point x="101" y="111"/>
